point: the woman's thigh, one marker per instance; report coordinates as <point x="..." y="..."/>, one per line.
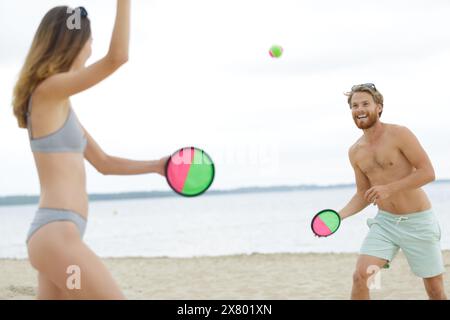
<point x="63" y="259"/>
<point x="47" y="290"/>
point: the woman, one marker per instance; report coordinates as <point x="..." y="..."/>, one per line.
<point x="54" y="71"/>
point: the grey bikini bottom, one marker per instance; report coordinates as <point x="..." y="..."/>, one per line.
<point x="45" y="216"/>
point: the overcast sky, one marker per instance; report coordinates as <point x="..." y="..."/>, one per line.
<point x="200" y="74"/>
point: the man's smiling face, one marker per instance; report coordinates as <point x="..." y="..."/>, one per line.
<point x="365" y="111"/>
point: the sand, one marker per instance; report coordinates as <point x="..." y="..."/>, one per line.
<point x="257" y="276"/>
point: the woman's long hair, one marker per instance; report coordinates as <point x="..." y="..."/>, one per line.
<point x="55" y="47"/>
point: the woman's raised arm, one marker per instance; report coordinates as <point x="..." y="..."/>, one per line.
<point x="64" y="85"/>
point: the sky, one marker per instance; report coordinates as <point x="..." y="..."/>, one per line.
<point x="200" y="75"/>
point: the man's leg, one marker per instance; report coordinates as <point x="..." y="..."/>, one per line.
<point x="423" y="251"/>
<point x="366" y="267"/>
<point x="379" y="247"/>
<point x="435" y="287"/>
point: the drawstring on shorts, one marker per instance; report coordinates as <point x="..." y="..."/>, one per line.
<point x="400" y="219"/>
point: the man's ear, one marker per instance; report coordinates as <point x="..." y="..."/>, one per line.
<point x="380" y="108"/>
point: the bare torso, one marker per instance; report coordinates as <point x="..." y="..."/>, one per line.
<point x="62" y="175"/>
<point x="383" y="162"/>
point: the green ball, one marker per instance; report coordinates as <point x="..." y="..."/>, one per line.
<point x="276" y="51"/>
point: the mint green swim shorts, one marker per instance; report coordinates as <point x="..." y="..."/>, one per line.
<point x="417" y="234"/>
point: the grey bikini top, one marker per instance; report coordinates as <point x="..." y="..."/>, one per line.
<point x="69" y="138"/>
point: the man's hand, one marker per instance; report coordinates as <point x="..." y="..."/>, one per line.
<point x="377" y="193"/>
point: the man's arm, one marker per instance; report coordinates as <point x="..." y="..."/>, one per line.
<point x="424" y="173"/>
<point x="109" y="165"/>
<point x="357" y="203"/>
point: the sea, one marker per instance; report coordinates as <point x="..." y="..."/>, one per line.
<point x="216" y="225"/>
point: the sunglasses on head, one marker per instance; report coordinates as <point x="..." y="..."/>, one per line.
<point x="364" y="85"/>
<point x="83" y="12"/>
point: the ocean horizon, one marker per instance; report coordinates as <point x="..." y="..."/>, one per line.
<point x="14" y="200"/>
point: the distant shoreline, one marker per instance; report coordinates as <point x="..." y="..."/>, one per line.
<point x="31" y="200"/>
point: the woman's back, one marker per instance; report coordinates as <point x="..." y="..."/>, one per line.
<point x="58" y="143"/>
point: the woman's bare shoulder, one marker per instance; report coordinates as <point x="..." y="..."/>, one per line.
<point x="45" y="100"/>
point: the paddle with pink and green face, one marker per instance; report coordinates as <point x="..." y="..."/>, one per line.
<point x="190" y="172"/>
<point x="325" y="223"/>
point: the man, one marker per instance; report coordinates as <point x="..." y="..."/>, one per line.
<point x="390" y="168"/>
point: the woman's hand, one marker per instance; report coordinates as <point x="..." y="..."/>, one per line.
<point x="161" y="166"/>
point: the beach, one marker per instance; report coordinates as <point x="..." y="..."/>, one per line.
<point x="257" y="276"/>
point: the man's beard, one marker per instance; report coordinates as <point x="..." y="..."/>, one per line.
<point x="367" y="123"/>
